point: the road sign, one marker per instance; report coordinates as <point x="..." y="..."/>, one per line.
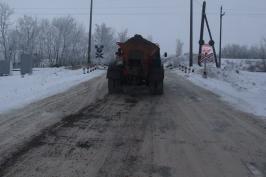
<point x="207" y="54"/>
<point x="99" y="51"/>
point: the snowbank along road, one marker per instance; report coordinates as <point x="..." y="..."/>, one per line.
<point x="187" y="132"/>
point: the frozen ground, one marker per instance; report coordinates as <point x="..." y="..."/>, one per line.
<point x="242" y="89"/>
<point x="16" y="92"/>
<point x="253" y="65"/>
<point x="185" y="132"/>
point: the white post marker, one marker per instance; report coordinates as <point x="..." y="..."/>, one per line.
<point x="206" y="57"/>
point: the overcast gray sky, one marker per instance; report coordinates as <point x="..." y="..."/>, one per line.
<point x="165" y="20"/>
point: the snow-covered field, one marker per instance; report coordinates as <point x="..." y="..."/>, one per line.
<point x="16" y="92"/>
<point x="244" y="90"/>
<point x="252" y="65"/>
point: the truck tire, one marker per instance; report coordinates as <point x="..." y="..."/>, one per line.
<point x="114" y="86"/>
<point x="156" y="87"/>
<point x="159" y="89"/>
<point x="114" y="72"/>
<point x="111" y="86"/>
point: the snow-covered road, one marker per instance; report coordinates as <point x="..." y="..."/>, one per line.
<point x="244" y="90"/>
<point x="186" y="132"/>
<point x="19" y="126"/>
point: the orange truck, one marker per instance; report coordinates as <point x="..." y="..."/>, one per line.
<point x="138" y="62"/>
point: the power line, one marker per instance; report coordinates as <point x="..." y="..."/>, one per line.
<point x="262" y="10"/>
<point x="246" y="13"/>
<point x="85" y="14"/>
<point x="81" y="8"/>
<point x="229" y="12"/>
<point x="139" y="14"/>
<point x="98" y="13"/>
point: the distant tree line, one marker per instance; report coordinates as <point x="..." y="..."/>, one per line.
<point x="61" y="41"/>
<point x="232" y="51"/>
<point x="236" y="51"/>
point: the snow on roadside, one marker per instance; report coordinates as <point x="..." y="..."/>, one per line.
<point x="245" y="64"/>
<point x="244" y="90"/>
<point x="16" y="92"/>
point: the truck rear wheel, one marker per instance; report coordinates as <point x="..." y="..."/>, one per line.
<point x="114" y="86"/>
<point x="159" y="90"/>
<point x="156" y="87"/>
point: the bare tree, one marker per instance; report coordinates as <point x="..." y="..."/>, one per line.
<point x="123" y="35"/>
<point x="179" y="48"/>
<point x="62" y="41"/>
<point x="28" y="31"/>
<point x="105" y="36"/>
<point x="78" y="45"/>
<point x="5" y="13"/>
<point x="64" y="26"/>
<point x="13" y="39"/>
<point x="236" y="51"/>
<point x="42" y="48"/>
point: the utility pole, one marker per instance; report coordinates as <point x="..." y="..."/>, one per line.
<point x="202" y="42"/>
<point x="221" y="28"/>
<point x="89" y="46"/>
<point x="191" y="35"/>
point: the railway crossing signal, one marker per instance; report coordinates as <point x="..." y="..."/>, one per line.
<point x="99" y="51"/>
<point x="207" y="56"/>
<point x="204" y="20"/>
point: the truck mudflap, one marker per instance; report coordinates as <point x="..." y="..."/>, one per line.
<point x="114" y="72"/>
<point x="156" y="74"/>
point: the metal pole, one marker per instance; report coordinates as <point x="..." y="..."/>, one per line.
<point x="201" y="42"/>
<point x="221" y="27"/>
<point x="205" y="68"/>
<point x="191" y="35"/>
<point x="89" y="46"/>
<point x="211" y="41"/>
